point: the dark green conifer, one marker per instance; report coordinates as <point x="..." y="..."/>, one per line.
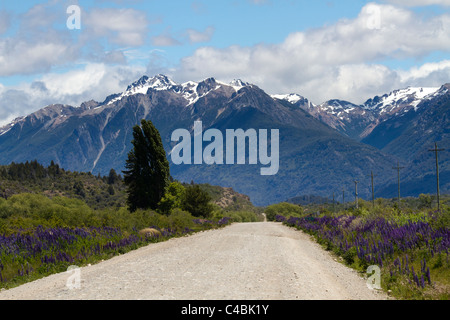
<point x="147" y="168"/>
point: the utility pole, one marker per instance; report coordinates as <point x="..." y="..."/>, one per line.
<point x="356" y="193"/>
<point x="334" y="208"/>
<point x="343" y="197"/>
<point x="436" y="150"/>
<point x="398" y="168"/>
<point x="373" y="193"/>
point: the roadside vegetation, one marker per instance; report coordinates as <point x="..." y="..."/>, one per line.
<point x="51" y="219"/>
<point x="410" y="245"/>
<point x="44" y="232"/>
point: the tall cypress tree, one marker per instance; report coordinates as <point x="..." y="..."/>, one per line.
<point x="147" y="171"/>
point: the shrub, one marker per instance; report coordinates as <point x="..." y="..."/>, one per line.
<point x="244" y="216"/>
<point x="180" y="219"/>
<point x="197" y="202"/>
<point x="149" y="232"/>
<point x="349" y="255"/>
<point x="172" y="198"/>
<point x="283" y="209"/>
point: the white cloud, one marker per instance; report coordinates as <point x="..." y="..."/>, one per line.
<point x="93" y="81"/>
<point x="342" y="60"/>
<point x="35" y="46"/>
<point x="419" y="3"/>
<point x="165" y="40"/>
<point x="21" y="57"/>
<point x="195" y="36"/>
<point x="38" y="46"/>
<point x="74" y="82"/>
<point x="126" y="27"/>
<point x="4" y="21"/>
<point x="433" y="74"/>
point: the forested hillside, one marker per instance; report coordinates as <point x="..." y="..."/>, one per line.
<point x="97" y="191"/>
<point x="31" y="177"/>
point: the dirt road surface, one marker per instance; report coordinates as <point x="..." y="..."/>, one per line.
<point x="248" y="261"/>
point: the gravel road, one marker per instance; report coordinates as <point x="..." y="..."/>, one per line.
<point x="248" y="261"/>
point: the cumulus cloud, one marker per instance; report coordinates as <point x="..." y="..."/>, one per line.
<point x="38" y="44"/>
<point x="342" y="60"/>
<point x="434" y="74"/>
<point x="41" y="43"/>
<point x="195" y="36"/>
<point x="419" y="3"/>
<point x="35" y="45"/>
<point x="22" y="57"/>
<point x="126" y="27"/>
<point x="93" y="81"/>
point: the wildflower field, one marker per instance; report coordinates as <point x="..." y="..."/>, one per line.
<point x="411" y="249"/>
<point x="40" y="236"/>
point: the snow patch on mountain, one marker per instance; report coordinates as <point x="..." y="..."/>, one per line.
<point x="337" y="107"/>
<point x="188" y="90"/>
<point x="238" y="84"/>
<point x="292" y="97"/>
<point x="398" y="99"/>
<point x="9" y="126"/>
<point x="159" y="83"/>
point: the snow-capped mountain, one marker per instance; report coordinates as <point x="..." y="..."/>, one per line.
<point x="237" y="84"/>
<point x="402" y="100"/>
<point x="358" y="121"/>
<point x="295" y="99"/>
<point x="412" y="111"/>
<point x="187" y="94"/>
<point x="191" y="91"/>
<point x="348" y="118"/>
<point x="96" y="136"/>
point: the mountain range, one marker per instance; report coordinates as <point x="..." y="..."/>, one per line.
<point x="323" y="148"/>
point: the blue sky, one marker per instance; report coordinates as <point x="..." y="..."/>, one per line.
<point x="346" y="49"/>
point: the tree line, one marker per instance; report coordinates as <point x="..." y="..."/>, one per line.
<point x="30" y="170"/>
